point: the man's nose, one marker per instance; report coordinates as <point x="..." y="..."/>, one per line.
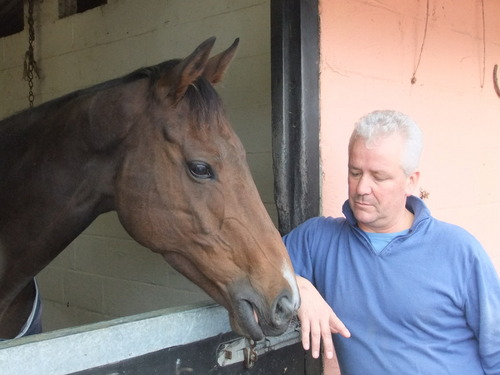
<point x="364" y="185"/>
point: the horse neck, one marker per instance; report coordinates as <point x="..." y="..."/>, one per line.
<point x="52" y="188"/>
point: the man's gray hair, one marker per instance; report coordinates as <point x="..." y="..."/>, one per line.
<point x="379" y="124"/>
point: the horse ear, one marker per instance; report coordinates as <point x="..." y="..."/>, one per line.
<point x="216" y="66"/>
<point x="187" y="71"/>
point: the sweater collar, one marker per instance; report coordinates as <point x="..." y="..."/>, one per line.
<point x="413" y="204"/>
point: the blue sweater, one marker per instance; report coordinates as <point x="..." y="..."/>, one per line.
<point x="428" y="303"/>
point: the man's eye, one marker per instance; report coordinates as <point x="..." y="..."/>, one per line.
<point x="354" y="174"/>
<point x="380" y="178"/>
<point x="200" y="169"/>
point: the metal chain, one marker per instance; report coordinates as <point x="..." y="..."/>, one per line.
<point x="30" y="66"/>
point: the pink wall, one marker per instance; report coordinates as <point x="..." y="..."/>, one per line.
<point x="369" y="50"/>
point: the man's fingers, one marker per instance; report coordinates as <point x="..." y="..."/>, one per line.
<point x="318" y="321"/>
<point x="336" y="326"/>
<point x="305" y="329"/>
<point x="326" y="335"/>
<point x="316" y="336"/>
<point x="315" y="332"/>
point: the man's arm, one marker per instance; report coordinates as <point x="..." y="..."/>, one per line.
<point x="318" y="321"/>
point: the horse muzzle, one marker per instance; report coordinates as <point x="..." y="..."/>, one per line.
<point x="254" y="318"/>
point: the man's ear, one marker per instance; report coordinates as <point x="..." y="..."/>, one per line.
<point x="412" y="182"/>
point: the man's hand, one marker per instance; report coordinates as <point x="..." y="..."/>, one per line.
<point x="318" y="320"/>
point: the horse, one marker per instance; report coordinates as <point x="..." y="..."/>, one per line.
<point x="155" y="146"/>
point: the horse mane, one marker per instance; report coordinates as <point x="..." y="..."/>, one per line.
<point x="203" y="100"/>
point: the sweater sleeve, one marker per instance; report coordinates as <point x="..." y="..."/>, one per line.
<point x="300" y="244"/>
<point x="482" y="310"/>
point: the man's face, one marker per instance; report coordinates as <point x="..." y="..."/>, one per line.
<point x="378" y="186"/>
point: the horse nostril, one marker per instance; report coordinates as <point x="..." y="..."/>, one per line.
<point x="284" y="310"/>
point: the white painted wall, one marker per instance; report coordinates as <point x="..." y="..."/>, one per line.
<point x="104" y="273"/>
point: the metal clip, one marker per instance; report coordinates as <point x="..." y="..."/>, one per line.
<point x="248" y="351"/>
<point x="250" y="355"/>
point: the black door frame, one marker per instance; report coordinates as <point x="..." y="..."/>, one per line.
<point x="295" y="110"/>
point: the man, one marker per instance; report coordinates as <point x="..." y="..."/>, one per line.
<point x="417" y="295"/>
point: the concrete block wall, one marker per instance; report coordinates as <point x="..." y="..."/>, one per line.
<point x="104" y="273"/>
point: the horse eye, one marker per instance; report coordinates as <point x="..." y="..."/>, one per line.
<point x="200" y="169"/>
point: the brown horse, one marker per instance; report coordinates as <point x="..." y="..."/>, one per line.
<point x="156" y="147"/>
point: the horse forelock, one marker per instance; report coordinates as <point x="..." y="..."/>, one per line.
<point x="205" y="104"/>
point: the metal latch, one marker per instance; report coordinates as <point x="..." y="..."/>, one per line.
<point x="247" y="351"/>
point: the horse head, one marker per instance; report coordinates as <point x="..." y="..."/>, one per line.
<point x="184" y="189"/>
